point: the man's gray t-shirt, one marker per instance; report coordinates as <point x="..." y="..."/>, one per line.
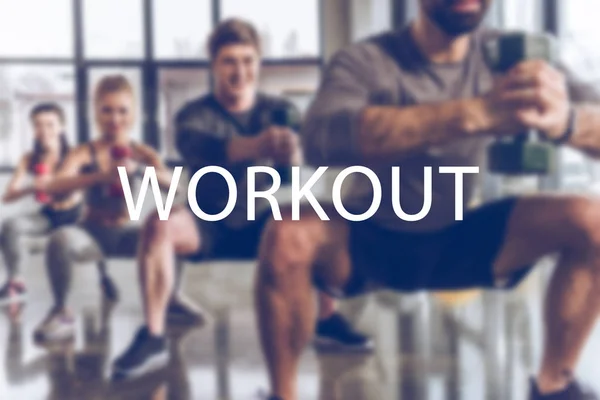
<point x="389" y="69"/>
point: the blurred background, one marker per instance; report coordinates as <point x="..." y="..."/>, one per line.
<point x="57" y="50"/>
<point x="469" y="346"/>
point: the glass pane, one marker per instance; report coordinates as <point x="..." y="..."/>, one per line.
<point x="135" y="78"/>
<point x="36" y="28"/>
<point x="177" y="87"/>
<point x="297" y="83"/>
<point x="21" y="88"/>
<point x="113" y="29"/>
<point x="580" y="52"/>
<point x="580" y="30"/>
<point x="523" y="15"/>
<point x="182" y="28"/>
<point x="288" y="28"/>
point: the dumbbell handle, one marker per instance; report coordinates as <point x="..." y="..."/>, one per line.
<point x="120" y="152"/>
<point x="41" y="170"/>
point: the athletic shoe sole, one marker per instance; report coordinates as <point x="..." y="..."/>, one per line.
<point x="61" y="333"/>
<point x="184" y="320"/>
<point x="152" y="364"/>
<point x="62" y="336"/>
<point x="181" y="319"/>
<point x="15" y="299"/>
<point x="329" y="345"/>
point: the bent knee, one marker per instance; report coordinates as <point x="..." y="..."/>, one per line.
<point x="62" y="238"/>
<point x="583" y="216"/>
<point x="10" y="228"/>
<point x="60" y="244"/>
<point x="288" y="249"/>
<point x="292" y="239"/>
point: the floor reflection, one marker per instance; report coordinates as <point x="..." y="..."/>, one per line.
<point x="427" y="348"/>
<point x="72" y="373"/>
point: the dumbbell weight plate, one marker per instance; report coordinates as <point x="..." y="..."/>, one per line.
<point x="521" y="158"/>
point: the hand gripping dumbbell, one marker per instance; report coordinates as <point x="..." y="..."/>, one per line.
<point x="40" y="170"/>
<point x="287" y="117"/>
<point x="526" y="153"/>
<point x="118" y="153"/>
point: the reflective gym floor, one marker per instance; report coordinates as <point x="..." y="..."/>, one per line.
<point x="472" y="347"/>
<point x="424" y="350"/>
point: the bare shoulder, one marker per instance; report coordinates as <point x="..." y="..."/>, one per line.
<point x="26" y="159"/>
<point x="81" y="154"/>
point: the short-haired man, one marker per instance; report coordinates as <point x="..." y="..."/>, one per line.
<point x="420" y="97"/>
<point x="225" y="128"/>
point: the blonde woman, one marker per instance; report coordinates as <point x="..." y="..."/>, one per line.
<point x="105" y="229"/>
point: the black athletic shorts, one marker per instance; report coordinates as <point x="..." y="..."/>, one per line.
<point x="220" y="241"/>
<point x="458" y="257"/>
<point x="60" y="218"/>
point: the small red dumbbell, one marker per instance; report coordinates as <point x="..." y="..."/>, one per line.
<point x="41" y="170"/>
<point x="118" y="153"/>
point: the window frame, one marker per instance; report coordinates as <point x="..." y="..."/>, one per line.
<point x="149" y="66"/>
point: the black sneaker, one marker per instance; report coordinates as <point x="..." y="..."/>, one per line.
<point x="335" y="334"/>
<point x="575" y="391"/>
<point x="146" y="354"/>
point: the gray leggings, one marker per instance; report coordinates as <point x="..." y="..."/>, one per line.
<point x="84" y="243"/>
<point x="13" y="231"/>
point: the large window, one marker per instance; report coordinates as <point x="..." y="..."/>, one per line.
<point x="178" y="87"/>
<point x="59" y="49"/>
<point x="579" y="37"/>
<point x="113" y="29"/>
<point x="288" y="28"/>
<point x="181" y="28"/>
<point x="579" y="30"/>
<point x="522" y="15"/>
<point x="36" y="28"/>
<point x="23" y="86"/>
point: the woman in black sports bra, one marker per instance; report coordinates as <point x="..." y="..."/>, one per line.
<point x="50" y="149"/>
<point x="105" y="229"/>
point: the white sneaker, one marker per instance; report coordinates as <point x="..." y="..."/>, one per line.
<point x="57" y="327"/>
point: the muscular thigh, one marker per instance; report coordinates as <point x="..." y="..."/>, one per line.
<point x="539" y="226"/>
<point x="30" y="224"/>
<point x="183" y="231"/>
<point x="75" y="243"/>
<point x="321" y="244"/>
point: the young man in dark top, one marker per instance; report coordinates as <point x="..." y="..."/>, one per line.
<point x="421" y="97"/>
<point x="226" y="128"/>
